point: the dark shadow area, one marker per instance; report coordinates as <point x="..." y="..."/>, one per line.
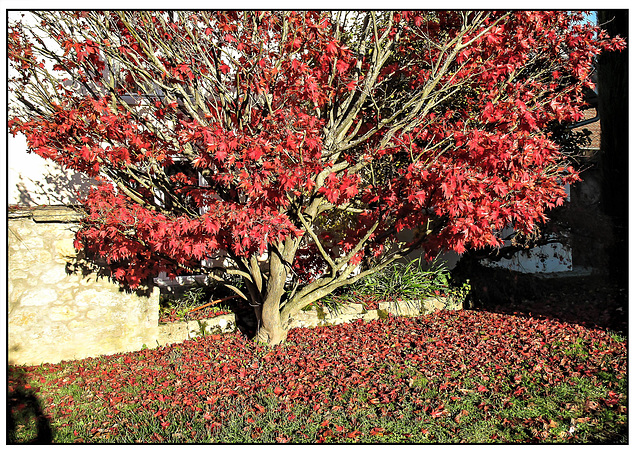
<point x="613" y="105"/>
<point x="246" y="321"/>
<point x="244" y="316"/>
<point x="594" y="301"/>
<point x="26" y="421"/>
<point x="96" y="268"/>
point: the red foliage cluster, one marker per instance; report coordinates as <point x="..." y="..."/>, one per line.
<point x="212" y="376"/>
<point x="407" y="117"/>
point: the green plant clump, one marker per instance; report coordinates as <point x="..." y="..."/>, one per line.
<point x="178" y="306"/>
<point x="410" y="281"/>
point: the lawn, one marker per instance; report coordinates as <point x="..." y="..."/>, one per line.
<point x="449" y="377"/>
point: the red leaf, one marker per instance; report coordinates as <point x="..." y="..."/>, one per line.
<point x="331" y="48"/>
<point x="255" y="153"/>
<point x="221" y="154"/>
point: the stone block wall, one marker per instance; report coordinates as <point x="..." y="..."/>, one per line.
<point x="55" y="314"/>
<point x="177" y="332"/>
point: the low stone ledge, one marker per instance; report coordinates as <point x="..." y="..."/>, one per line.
<point x="183" y="330"/>
<point x="174" y="332"/>
<point x="179" y="331"/>
<point x="61" y="214"/>
<point x="417" y="307"/>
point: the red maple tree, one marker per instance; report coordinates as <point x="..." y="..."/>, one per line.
<point x="285" y="147"/>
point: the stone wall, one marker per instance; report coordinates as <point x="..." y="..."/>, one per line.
<point x="57" y="314"/>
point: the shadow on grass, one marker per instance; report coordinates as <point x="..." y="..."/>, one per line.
<point x="26" y="421"/>
<point x="593" y="301"/>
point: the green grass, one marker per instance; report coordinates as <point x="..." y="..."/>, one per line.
<point x="470" y="402"/>
<point x="455" y="416"/>
<point x="488" y="422"/>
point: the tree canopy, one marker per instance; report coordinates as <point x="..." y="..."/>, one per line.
<point x="289" y="148"/>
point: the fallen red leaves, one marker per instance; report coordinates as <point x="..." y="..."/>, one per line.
<point x="446" y="350"/>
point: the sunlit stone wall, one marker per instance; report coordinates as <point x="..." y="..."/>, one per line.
<point x="57" y="314"/>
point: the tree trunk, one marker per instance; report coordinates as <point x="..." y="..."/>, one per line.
<point x="271" y="330"/>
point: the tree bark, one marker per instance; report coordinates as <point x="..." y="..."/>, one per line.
<point x="271" y="329"/>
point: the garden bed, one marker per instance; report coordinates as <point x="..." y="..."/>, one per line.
<point x="407" y="289"/>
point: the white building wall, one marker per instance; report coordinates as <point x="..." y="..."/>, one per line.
<point x="549" y="258"/>
<point x="32" y="180"/>
<point x="35" y="181"/>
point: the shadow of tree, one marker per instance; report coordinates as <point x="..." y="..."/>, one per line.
<point x="26" y="421"/>
<point x="97" y="268"/>
<point x="594" y="301"/>
<point x="57" y="187"/>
